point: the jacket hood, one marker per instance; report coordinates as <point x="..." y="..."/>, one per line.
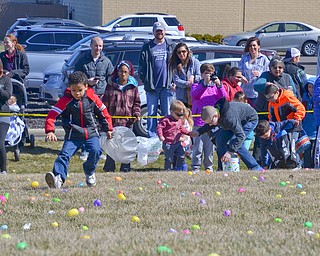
<point x="311" y="80"/>
<point x="131" y="81"/>
<point x="222" y="105"/>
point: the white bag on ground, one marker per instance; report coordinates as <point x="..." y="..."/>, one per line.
<point x="149" y="150"/>
<point x="123" y="147"/>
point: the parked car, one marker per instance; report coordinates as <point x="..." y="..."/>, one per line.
<point x="43" y="21"/>
<point x="144" y="22"/>
<point x="280" y="36"/>
<point x="46" y="39"/>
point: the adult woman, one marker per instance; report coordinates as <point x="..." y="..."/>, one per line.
<point x="230" y="82"/>
<point x="122" y="99"/>
<point x="252" y="64"/>
<point x="5" y="94"/>
<point x="274" y="75"/>
<point x="14" y="59"/>
<point x="186" y="71"/>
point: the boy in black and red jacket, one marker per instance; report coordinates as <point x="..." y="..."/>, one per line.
<point x="78" y="109"/>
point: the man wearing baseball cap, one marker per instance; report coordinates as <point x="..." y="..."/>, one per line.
<point x="295" y="70"/>
<point x="155" y="74"/>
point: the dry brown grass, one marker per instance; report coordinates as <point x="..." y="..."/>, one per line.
<point x="176" y="206"/>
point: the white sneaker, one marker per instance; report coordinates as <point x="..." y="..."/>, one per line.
<point x="103" y="157"/>
<point x="91" y="180"/>
<point x="84" y="156"/>
<point x="53" y="181"/>
<point x="3" y="173"/>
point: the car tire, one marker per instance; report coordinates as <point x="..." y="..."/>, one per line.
<point x="140" y="127"/>
<point x="242" y="43"/>
<point x="309" y="48"/>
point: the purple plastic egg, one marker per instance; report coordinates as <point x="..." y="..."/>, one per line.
<point x="97" y="202"/>
<point x="227" y="213"/>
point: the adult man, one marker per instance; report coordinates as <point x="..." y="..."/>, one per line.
<point x="96" y="66"/>
<point x="236" y="120"/>
<point x="295" y="70"/>
<point x="155" y="74"/>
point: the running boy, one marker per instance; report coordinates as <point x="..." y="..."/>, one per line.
<point x="77" y="108"/>
<point x="169" y="130"/>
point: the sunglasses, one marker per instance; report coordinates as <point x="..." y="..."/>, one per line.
<point x="183" y="51"/>
<point x="179" y="114"/>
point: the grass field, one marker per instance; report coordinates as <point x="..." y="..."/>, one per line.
<point x="185" y="213"/>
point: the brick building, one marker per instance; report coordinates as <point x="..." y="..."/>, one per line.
<point x="202" y="16"/>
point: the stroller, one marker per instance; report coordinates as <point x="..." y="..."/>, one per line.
<point x="18" y="134"/>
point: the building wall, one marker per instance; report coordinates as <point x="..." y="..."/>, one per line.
<point x="201" y="16"/>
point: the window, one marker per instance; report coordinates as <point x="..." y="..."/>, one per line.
<point x="272" y="28"/>
<point x="113" y="56"/>
<point x="131" y="22"/>
<point x="293" y="27"/>
<point x="132" y="56"/>
<point x="147" y="22"/>
<point x="42" y="38"/>
<point x="172" y="21"/>
<point x="67" y="38"/>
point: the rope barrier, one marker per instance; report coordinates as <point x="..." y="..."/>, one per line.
<point x="45" y="115"/>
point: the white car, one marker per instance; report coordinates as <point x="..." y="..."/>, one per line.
<point x="144" y="22"/>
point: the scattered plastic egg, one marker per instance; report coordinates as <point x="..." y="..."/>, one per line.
<point x="56" y="200"/>
<point x="68" y="182"/>
<point x="195" y="227"/>
<point x="81" y="209"/>
<point x="227" y="213"/>
<point x="218" y="193"/>
<point x="190" y="173"/>
<point x="310" y="233"/>
<point x="73" y="212"/>
<point x="202" y="201"/>
<point x="283" y="184"/>
<point x="186" y="232"/>
<point x="308" y="224"/>
<point x="135" y="219"/>
<point x="303" y="193"/>
<point x="250" y="232"/>
<point x="6" y="195"/>
<point x="278" y="196"/>
<point x="4" y="227"/>
<point x="54" y="224"/>
<point x="34" y="184"/>
<point x="277" y="220"/>
<point x="208" y="171"/>
<point x="80" y="185"/>
<point x="299" y="186"/>
<point x="121" y="197"/>
<point x="3" y="199"/>
<point x="5" y="236"/>
<point x="26" y="226"/>
<point x="241" y="190"/>
<point x="162" y="249"/>
<point x="117" y="178"/>
<point x="262" y="178"/>
<point x="172" y="230"/>
<point x="85" y="228"/>
<point x="51" y="212"/>
<point x="21" y="245"/>
<point x="225" y="174"/>
<point x="97" y="202"/>
<point x="85" y="237"/>
<point x="159" y="182"/>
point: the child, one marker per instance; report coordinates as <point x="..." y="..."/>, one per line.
<point x="13" y="106"/>
<point x="170" y="130"/>
<point x="122" y="99"/>
<point x="186" y="142"/>
<point x="205" y="93"/>
<point x="308" y="122"/>
<point x="77" y="108"/>
<point x="232" y="81"/>
<point x="276" y="144"/>
<point x="240" y="96"/>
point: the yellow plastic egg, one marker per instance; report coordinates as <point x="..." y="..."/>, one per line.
<point x="121" y="196"/>
<point x="34" y="184"/>
<point x="135" y="219"/>
<point x="54" y="224"/>
<point x="190" y="173"/>
<point x="73" y="212"/>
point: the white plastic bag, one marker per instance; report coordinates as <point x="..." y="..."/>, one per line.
<point x="149" y="150"/>
<point x="123" y="147"/>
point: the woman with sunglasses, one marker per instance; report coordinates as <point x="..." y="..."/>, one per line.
<point x="186" y="71"/>
<point x="122" y="99"/>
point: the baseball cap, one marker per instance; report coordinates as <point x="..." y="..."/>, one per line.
<point x="291" y="53"/>
<point x="158" y="26"/>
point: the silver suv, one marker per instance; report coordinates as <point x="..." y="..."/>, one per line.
<point x="42" y="21"/>
<point x="144" y="22"/>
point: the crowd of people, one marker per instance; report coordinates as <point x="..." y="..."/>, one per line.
<point x="253" y="102"/>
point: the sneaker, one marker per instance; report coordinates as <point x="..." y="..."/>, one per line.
<point x="3" y="173"/>
<point x="84" y="156"/>
<point x="103" y="157"/>
<point x="91" y="180"/>
<point x="53" y="181"/>
<point x="258" y="169"/>
<point x="125" y="170"/>
<point x="299" y="167"/>
<point x="195" y="170"/>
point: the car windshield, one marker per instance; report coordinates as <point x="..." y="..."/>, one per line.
<point x="110" y="22"/>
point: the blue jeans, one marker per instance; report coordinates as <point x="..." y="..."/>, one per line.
<point x="171" y="150"/>
<point x="69" y="148"/>
<point x="165" y="96"/>
<point x="226" y="136"/>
